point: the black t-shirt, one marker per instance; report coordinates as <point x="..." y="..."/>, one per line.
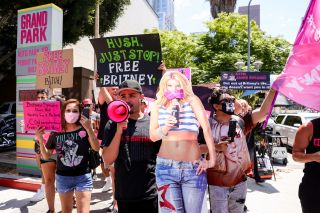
<point x="135" y="165"/>
<point x="72" y="152"/>
<point x="104" y="118"/>
<point x="312" y="169"/>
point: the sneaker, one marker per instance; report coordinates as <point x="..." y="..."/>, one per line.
<point x="94" y="176"/>
<point x="108" y="184"/>
<point x="40" y="195"/>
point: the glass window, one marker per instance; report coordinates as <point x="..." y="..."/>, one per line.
<point x="4" y="108"/>
<point x="13" y="109"/>
<point x="279" y="119"/>
<point x="292" y="120"/>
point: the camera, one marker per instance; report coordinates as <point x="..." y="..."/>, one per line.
<point x="232" y="130"/>
<point x="85" y="112"/>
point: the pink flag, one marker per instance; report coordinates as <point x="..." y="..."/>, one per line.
<point x="300" y="79"/>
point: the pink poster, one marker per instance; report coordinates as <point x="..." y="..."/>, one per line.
<point x="42" y="114"/>
<point x="300" y="79"/>
<point x="185" y="71"/>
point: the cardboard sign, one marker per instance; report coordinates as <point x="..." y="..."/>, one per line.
<point x="245" y="80"/>
<point x="185" y="71"/>
<point x="28" y="95"/>
<point x="134" y="57"/>
<point x="42" y="114"/>
<point x="279" y="152"/>
<point x="54" y="69"/>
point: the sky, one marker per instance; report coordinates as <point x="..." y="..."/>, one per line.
<point x="277" y="17"/>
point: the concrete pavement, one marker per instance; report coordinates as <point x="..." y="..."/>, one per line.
<point x="280" y="195"/>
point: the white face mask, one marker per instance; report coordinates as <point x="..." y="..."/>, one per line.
<point x="71" y="117"/>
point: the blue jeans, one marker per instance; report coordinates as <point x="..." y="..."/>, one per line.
<point x="79" y="183"/>
<point x="179" y="188"/>
<point x="228" y="199"/>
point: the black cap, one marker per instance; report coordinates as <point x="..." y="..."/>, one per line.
<point x="130" y="85"/>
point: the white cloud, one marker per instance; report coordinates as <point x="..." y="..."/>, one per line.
<point x="180" y="5"/>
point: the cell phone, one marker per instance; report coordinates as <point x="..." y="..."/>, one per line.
<point x="232" y="130"/>
<point x="85" y="112"/>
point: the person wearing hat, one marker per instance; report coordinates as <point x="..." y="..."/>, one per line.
<point x="128" y="144"/>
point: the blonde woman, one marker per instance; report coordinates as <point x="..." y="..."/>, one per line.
<point x="180" y="171"/>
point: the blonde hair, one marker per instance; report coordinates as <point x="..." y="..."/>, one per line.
<point x="184" y="83"/>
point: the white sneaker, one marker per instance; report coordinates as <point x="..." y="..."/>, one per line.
<point x="108" y="184"/>
<point x="40" y="195"/>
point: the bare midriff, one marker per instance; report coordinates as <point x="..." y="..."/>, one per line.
<point x="180" y="146"/>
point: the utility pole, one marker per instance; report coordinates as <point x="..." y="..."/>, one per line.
<point x="96" y="35"/>
<point x="249" y="32"/>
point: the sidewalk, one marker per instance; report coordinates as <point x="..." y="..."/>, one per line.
<point x="280" y="195"/>
<point x="15" y="200"/>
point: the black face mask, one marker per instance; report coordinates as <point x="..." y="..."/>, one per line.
<point x="228" y="107"/>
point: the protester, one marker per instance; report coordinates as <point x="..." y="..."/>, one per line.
<point x="306" y="149"/>
<point x="128" y="145"/>
<point x="106" y="95"/>
<point x="42" y="95"/>
<point x="72" y="147"/>
<point x="94" y="118"/>
<point x="180" y="171"/>
<point x="228" y="188"/>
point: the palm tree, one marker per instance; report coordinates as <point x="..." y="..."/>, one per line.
<point x="218" y="6"/>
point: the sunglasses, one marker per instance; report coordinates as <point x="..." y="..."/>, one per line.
<point x="227" y="100"/>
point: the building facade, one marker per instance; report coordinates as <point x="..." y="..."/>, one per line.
<point x="254" y="12"/>
<point x="165" y="11"/>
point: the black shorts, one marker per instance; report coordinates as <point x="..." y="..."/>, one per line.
<point x="47" y="161"/>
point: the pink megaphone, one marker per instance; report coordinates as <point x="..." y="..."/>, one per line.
<point x="118" y="111"/>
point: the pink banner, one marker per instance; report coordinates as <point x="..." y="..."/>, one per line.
<point x="300" y="79"/>
<point x="42" y="114"/>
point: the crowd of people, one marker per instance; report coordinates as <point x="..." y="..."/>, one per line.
<point x="161" y="161"/>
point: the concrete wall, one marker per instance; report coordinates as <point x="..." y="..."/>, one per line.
<point x="137" y="17"/>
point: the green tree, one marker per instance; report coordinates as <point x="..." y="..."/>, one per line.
<point x="78" y="21"/>
<point x="177" y="48"/>
<point x="226" y="43"/>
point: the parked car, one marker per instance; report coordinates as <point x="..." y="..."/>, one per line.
<point x="287" y="124"/>
<point x="7" y="125"/>
<point x="8" y="132"/>
<point x="7" y="108"/>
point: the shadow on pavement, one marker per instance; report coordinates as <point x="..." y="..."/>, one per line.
<point x="261" y="187"/>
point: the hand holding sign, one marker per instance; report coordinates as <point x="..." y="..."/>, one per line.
<point x="42" y="114"/>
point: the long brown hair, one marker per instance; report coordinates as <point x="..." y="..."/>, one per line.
<point x="63" y="109"/>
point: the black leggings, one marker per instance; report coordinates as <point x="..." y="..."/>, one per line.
<point x="145" y="206"/>
<point x="309" y="190"/>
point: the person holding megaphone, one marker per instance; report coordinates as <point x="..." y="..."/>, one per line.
<point x="180" y="172"/>
<point x="127" y="143"/>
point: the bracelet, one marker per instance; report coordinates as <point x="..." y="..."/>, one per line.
<point x="160" y="133"/>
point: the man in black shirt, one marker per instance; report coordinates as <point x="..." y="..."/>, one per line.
<point x="129" y="146"/>
<point x="306" y="149"/>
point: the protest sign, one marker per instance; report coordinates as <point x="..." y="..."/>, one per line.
<point x="121" y="58"/>
<point x="55" y="69"/>
<point x="28" y="95"/>
<point x="300" y="79"/>
<point x="42" y="114"/>
<point x="245" y="80"/>
<point x="185" y="71"/>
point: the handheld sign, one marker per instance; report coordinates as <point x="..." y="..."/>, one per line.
<point x="131" y="57"/>
<point x="42" y="114"/>
<point x="245" y="80"/>
<point x="54" y="69"/>
<point x="185" y="71"/>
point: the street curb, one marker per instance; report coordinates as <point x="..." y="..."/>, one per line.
<point x="22" y="184"/>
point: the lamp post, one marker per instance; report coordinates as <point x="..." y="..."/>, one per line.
<point x="249" y="32"/>
<point x="257" y="65"/>
<point x="239" y="65"/>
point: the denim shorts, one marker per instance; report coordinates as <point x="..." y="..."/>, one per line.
<point x="79" y="183"/>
